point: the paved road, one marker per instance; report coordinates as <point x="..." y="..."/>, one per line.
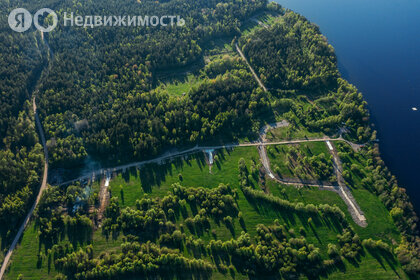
<point x="345" y="193"/>
<point x="261" y="147"/>
<point x="290" y="181"/>
<point x="341" y="188"/>
<point x="41" y="190"/>
<point x="250" y="68"/>
<point x="176" y="154"/>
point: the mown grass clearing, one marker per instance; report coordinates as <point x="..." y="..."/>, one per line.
<point x="181" y="86"/>
<point x="307" y="195"/>
<point x="380" y="224"/>
<point x="26" y="261"/>
<point x="156" y="180"/>
<point x="193" y="171"/>
<point x="219" y="46"/>
<point x="289" y="133"/>
<point x="372" y="267"/>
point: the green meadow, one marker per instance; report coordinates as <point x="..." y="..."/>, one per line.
<point x="32" y="262"/>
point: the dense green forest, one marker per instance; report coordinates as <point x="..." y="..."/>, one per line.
<point x="292" y="54"/>
<point x="104" y="95"/>
<point x="121" y="65"/>
<point x="21" y="154"/>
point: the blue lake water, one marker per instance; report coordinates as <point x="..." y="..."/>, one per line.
<point x="378" y="49"/>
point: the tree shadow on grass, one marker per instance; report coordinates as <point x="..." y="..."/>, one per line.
<point x="355" y="261"/>
<point x="383" y="256"/>
<point x="267" y="209"/>
<point x="154" y="174"/>
<point x="338" y="265"/>
<point x="332" y="223"/>
<point x="221" y="158"/>
<point x="315" y="233"/>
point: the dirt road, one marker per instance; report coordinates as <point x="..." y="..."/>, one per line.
<point x="345" y="193"/>
<point x="41" y="190"/>
<point x="250" y="68"/>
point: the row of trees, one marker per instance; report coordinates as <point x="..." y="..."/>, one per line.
<point x="146" y="260"/>
<point x="376" y="178"/>
<point x="155" y="217"/>
<point x="285" y="205"/>
<point x="162" y="236"/>
<point x="401" y="209"/>
<point x="63" y="214"/>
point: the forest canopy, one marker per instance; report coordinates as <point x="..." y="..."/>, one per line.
<point x="101" y="100"/>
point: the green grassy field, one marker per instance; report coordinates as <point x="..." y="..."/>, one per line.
<point x="25" y="260"/>
<point x="380" y="224"/>
<point x="278" y="158"/>
<point x="196" y="173"/>
<point x="181" y="86"/>
<point x="219" y="46"/>
<point x="252" y="24"/>
<point x="372" y="267"/>
<point x="180" y="83"/>
<point x="156" y="181"/>
<point x="288" y="133"/>
<point x="355" y="164"/>
<point x="31" y="260"/>
<point x="307" y="195"/>
<point x="378" y="217"/>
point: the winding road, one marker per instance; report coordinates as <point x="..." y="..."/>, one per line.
<point x="341" y="189"/>
<point x="41" y="190"/>
<point x="176" y="154"/>
<point x="344" y="192"/>
<point x="44" y="185"/>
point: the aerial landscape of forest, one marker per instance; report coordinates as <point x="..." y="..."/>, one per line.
<point x="228" y="147"/>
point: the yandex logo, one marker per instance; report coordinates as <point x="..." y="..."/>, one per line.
<point x="20" y="20"/>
